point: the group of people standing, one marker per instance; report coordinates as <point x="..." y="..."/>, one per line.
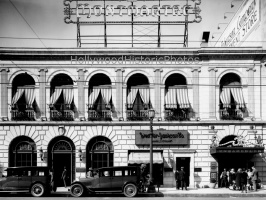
<point x="181" y="179"/>
<point x="242" y="180"/>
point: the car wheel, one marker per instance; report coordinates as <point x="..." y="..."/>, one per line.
<point x="130" y="190"/>
<point x="37" y="190"/>
<point x="77" y="190"/>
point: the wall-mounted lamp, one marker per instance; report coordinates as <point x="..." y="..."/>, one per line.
<point x="232" y="5"/>
<point x="227" y="13"/>
<point x="41" y="153"/>
<point x="80" y="153"/>
<point x="219" y="25"/>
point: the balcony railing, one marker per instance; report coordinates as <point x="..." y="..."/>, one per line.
<point x="26" y="115"/>
<point x="99" y="115"/>
<point x="64" y="115"/>
<point x="231" y="114"/>
<point x="177" y="115"/>
<point x="137" y="115"/>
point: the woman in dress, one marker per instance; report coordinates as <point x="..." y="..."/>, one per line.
<point x="238" y="178"/>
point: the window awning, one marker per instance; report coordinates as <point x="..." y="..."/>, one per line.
<point x="144" y="157"/>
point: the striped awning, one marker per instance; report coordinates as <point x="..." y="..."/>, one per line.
<point x="177" y="96"/>
<point x="237" y="94"/>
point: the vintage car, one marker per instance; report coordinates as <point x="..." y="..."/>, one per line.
<point x="35" y="180"/>
<point x="109" y="179"/>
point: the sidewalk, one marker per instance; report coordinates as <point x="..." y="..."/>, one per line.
<point x="191" y="192"/>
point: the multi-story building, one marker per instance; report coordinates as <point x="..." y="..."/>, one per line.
<point x="89" y="107"/>
<point x="84" y="108"/>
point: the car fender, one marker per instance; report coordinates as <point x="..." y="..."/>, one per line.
<point x="86" y="188"/>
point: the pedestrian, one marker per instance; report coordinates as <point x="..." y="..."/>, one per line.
<point x="232" y="178"/>
<point x="238" y="178"/>
<point x="177" y="179"/>
<point x="249" y="183"/>
<point x="52" y="184"/>
<point x="254" y="177"/>
<point x="182" y="178"/>
<point x="224" y="178"/>
<point x="64" y="174"/>
<point x="143" y="177"/>
<point x="244" y="180"/>
<point x="90" y="173"/>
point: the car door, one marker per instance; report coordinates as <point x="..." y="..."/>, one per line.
<point x="24" y="180"/>
<point x="117" y="180"/>
<point x="11" y="181"/>
<point x="105" y="180"/>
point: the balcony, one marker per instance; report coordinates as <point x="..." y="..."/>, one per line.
<point x="64" y="115"/>
<point x="176" y="115"/>
<point x="231" y="114"/>
<point x="137" y="115"/>
<point x="99" y="115"/>
<point x="26" y="115"/>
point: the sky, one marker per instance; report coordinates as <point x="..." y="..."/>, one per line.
<point x="43" y="22"/>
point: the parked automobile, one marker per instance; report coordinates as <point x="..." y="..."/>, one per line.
<point x="109" y="179"/>
<point x="35" y="180"/>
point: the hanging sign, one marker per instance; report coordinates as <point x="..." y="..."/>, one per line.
<point x="162" y="137"/>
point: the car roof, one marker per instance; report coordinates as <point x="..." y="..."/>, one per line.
<point x="26" y="167"/>
<point x="118" y="167"/>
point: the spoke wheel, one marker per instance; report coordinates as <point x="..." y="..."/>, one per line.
<point x="37" y="190"/>
<point x="130" y="190"/>
<point x="77" y="190"/>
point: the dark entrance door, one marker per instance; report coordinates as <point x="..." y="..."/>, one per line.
<point x="61" y="154"/>
<point x="184" y="162"/>
<point x="233" y="160"/>
<point x="61" y="160"/>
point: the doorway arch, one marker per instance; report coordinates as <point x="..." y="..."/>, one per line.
<point x="61" y="153"/>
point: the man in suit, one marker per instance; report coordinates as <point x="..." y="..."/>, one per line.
<point x="177" y="179"/>
<point x="182" y="178"/>
<point x="254" y="178"/>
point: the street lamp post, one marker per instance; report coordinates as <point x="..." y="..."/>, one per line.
<point x="151" y="188"/>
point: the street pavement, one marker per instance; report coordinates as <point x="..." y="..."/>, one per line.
<point x="191" y="192"/>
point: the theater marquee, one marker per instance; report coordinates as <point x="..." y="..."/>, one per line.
<point x="162" y="137"/>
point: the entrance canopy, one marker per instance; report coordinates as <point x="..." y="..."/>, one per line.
<point x="144" y="157"/>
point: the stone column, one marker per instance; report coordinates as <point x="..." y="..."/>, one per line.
<point x="251" y="100"/>
<point x="4" y="92"/>
<point x="119" y="103"/>
<point x="81" y="93"/>
<point x="42" y="94"/>
<point x="212" y="94"/>
<point x="157" y="93"/>
<point x="195" y="75"/>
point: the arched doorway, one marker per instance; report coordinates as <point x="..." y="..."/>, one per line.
<point x="100" y="153"/>
<point x="22" y="152"/>
<point x="61" y="153"/>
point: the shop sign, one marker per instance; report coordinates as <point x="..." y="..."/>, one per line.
<point x="162" y="137"/>
<point x="242" y="24"/>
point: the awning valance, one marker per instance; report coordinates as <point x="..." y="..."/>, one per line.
<point x="144" y="157"/>
<point x="236" y="150"/>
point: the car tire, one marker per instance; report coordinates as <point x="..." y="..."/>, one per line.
<point x="130" y="190"/>
<point x="37" y="190"/>
<point x="77" y="190"/>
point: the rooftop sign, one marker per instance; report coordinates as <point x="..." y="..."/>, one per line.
<point x="242" y="24"/>
<point x="93" y="11"/>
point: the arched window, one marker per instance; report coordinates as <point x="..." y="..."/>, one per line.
<point x="100" y="153"/>
<point x="22" y="152"/>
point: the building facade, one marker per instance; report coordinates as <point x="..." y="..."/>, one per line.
<point x="82" y="108"/>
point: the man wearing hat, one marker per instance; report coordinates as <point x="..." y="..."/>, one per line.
<point x="89" y="173"/>
<point x="182" y="178"/>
